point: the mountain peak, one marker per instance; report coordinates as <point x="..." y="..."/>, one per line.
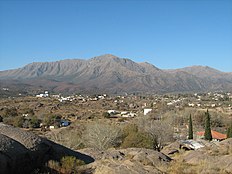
<point x="106" y="56"/>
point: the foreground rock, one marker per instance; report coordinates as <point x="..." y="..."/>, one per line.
<point x="22" y="151"/>
<point x="216" y="158"/>
<point x="127" y="161"/>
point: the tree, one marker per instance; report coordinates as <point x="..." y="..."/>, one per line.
<point x="160" y="131"/>
<point x="34" y="122"/>
<point x="135" y="138"/>
<point x="208" y="135"/>
<point x="101" y="136"/>
<point x="190" y="135"/>
<point x="229" y="131"/>
<point x="106" y="114"/>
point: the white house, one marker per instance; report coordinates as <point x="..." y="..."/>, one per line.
<point x="146" y="111"/>
<point x="111" y="111"/>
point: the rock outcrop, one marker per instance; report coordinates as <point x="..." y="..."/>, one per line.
<point x="127" y="161"/>
<point x="215" y="157"/>
<point x="22" y="151"/>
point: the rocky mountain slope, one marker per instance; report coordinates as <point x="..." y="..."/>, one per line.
<point x="108" y="73"/>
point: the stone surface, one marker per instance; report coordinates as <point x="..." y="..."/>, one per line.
<point x="126" y="161"/>
<point x="22" y="151"/>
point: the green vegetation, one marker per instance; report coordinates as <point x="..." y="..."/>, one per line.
<point x="229" y="131"/>
<point x="106" y="115"/>
<point x="134" y="138"/>
<point x="18" y="121"/>
<point x="190" y="135"/>
<point x="10" y="112"/>
<point x="208" y="135"/>
<point x="67" y="165"/>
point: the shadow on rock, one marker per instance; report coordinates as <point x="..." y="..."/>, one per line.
<point x="22" y="151"/>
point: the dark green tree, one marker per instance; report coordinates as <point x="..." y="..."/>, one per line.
<point x="208" y="135"/>
<point x="229" y="131"/>
<point x="190" y="135"/>
<point x="106" y="114"/>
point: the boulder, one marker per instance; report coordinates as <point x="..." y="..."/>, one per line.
<point x="14" y="156"/>
<point x="126" y="161"/>
<point x="23" y="152"/>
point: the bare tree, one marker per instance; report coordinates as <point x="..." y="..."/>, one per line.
<point x="101" y="135"/>
<point x="160" y="131"/>
<point x="70" y="138"/>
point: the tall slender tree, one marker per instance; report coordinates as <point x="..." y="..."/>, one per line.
<point x="229" y="131"/>
<point x="190" y="135"/>
<point x="208" y="134"/>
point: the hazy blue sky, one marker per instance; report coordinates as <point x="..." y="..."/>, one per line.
<point x="167" y="33"/>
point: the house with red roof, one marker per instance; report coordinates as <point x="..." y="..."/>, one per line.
<point x="215" y="135"/>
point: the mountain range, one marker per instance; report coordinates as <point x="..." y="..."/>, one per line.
<point x="111" y="74"/>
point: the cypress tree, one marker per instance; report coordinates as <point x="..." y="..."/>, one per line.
<point x="190" y="136"/>
<point x="229" y="131"/>
<point x="208" y="135"/>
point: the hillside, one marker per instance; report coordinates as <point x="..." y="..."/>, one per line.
<point x="111" y="74"/>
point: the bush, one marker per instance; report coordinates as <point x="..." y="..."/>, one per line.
<point x="10" y="112"/>
<point x="134" y="138"/>
<point x="18" y="121"/>
<point x="53" y="166"/>
<point x="67" y="165"/>
<point x="137" y="139"/>
<point x="28" y="111"/>
<point x="34" y="122"/>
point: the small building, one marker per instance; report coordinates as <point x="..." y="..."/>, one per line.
<point x="64" y="123"/>
<point x="46" y="94"/>
<point x="215" y="135"/>
<point x="111" y="111"/>
<point x="191" y="104"/>
<point x="51" y="127"/>
<point x="146" y="111"/>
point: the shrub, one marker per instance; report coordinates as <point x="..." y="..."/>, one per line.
<point x="53" y="165"/>
<point x="28" y="111"/>
<point x="137" y="139"/>
<point x="67" y="165"/>
<point x="18" y="121"/>
<point x="34" y="122"/>
<point x="10" y="112"/>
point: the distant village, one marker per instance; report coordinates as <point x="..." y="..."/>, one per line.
<point x="123" y="107"/>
